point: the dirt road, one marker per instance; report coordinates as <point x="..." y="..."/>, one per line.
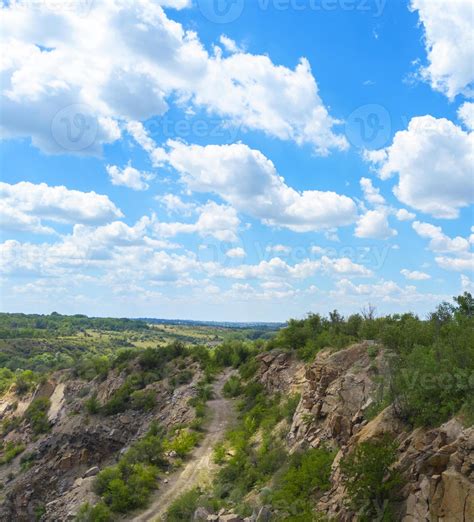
<point x="198" y="469"/>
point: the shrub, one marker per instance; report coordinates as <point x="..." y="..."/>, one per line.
<point x="370" y="480"/>
<point x="92" y="405"/>
<point x="24" y="381"/>
<point x="183" y="507"/>
<point x="144" y="400"/>
<point x="290" y="405"/>
<point x="183" y="442"/>
<point x="219" y="453"/>
<point x="98" y="513"/>
<point x="128" y="485"/>
<point x="233" y="387"/>
<point x="37" y="415"/>
<point x="10" y="451"/>
<point x="184" y="377"/>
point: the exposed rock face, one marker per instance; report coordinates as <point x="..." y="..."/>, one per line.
<point x="339" y="387"/>
<point x="280" y="372"/>
<point x="65" y="460"/>
<point x="437" y="464"/>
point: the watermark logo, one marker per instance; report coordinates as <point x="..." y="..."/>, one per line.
<point x="74" y="128"/>
<point x="369" y="127"/>
<point x="221" y="11"/>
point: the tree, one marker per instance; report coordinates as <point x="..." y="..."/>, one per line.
<point x="370" y="480"/>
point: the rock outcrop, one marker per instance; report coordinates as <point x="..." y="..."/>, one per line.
<point x="336" y="392"/>
<point x="61" y="465"/>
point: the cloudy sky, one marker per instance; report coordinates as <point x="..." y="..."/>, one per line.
<point x="233" y="159"/>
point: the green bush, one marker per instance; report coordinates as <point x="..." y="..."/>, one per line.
<point x="98" y="513"/>
<point x="183" y="442"/>
<point x="371" y="481"/>
<point x="92" y="405"/>
<point x="144" y="400"/>
<point x="308" y="473"/>
<point x="128" y="485"/>
<point x="37" y="415"/>
<point x="10" y="451"/>
<point x="183" y="507"/>
<point x="233" y="387"/>
<point x="219" y="453"/>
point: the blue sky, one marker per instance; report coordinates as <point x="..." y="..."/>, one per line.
<point x="236" y="160"/>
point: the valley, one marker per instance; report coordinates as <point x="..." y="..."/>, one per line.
<point x="325" y="419"/>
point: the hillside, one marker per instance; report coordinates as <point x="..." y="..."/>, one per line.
<point x="345" y="419"/>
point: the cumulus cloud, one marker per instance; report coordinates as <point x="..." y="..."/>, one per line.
<point x="415" y="275"/>
<point x="128" y="177"/>
<point x="457" y="264"/>
<point x="374" y="225"/>
<point x="68" y="89"/>
<point x="247" y="180"/>
<point x="449" y="44"/>
<point x="276" y="268"/>
<point x="459" y="257"/>
<point x="404" y="215"/>
<point x="371" y="194"/>
<point x="175" y="205"/>
<point x="278" y="249"/>
<point x="466" y="115"/>
<point x="439" y="241"/>
<point x="433" y="159"/>
<point x="218" y="221"/>
<point x="26" y="205"/>
<point x="237" y="252"/>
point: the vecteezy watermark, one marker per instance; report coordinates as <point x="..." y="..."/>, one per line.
<point x="372" y="258"/>
<point x="369" y="127"/>
<point x="227" y="11"/>
<point x="221" y="11"/>
<point x="79" y="7"/>
<point x="168" y="127"/>
<point x="74" y="127"/>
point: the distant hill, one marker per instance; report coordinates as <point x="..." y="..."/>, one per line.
<point x="215" y="324"/>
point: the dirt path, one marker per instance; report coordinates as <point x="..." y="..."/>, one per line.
<point x="198" y="469"/>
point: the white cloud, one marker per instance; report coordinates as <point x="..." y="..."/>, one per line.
<point x="229" y="44"/>
<point x="381" y="292"/>
<point x="175" y="205"/>
<point x="440" y="242"/>
<point x="467" y="284"/>
<point x="458" y="264"/>
<point x="374" y="225"/>
<point x="466" y="115"/>
<point x="219" y="221"/>
<point x="449" y="44"/>
<point x="278" y="249"/>
<point x="237" y="252"/>
<point x="61" y="73"/>
<point x="26" y="205"/>
<point x="129" y="177"/>
<point x="433" y="159"/>
<point x="404" y="215"/>
<point x="371" y="194"/>
<point x="276" y="268"/>
<point x="415" y="275"/>
<point x="460" y="258"/>
<point x="249" y="181"/>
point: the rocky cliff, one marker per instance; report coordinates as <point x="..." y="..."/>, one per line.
<point x="338" y="391"/>
<point x="53" y="476"/>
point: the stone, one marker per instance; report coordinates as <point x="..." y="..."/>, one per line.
<point x="200" y="514"/>
<point x="264" y="515"/>
<point x="230" y="518"/>
<point x="91" y="472"/>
